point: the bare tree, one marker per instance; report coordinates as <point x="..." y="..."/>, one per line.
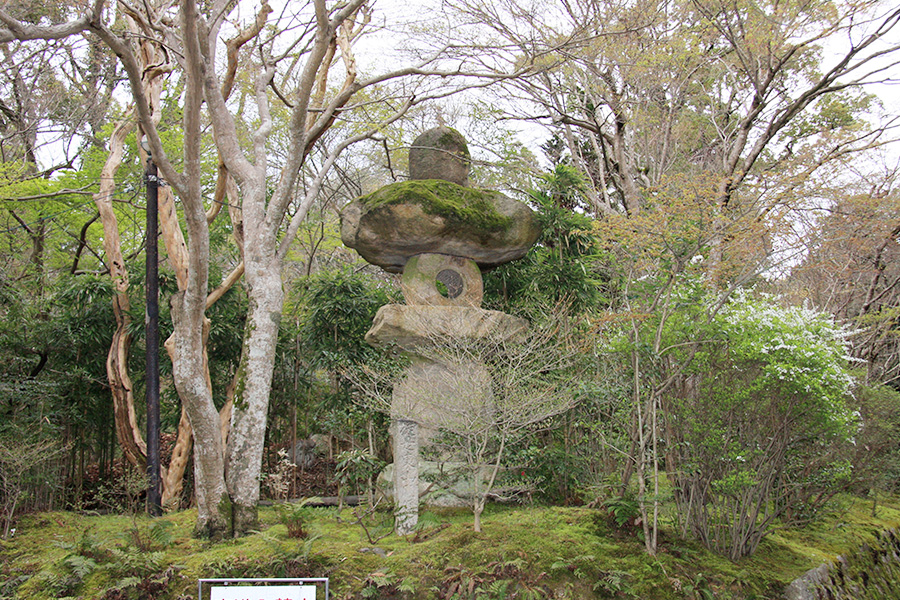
<point x="850" y="269"/>
<point x="16" y="461"/>
<point x="474" y="398"/>
<point x="760" y="97"/>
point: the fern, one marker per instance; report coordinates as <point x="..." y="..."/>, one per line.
<point x="427" y="520"/>
<point x="407" y="586"/>
<point x="80" y="566"/>
<point x="128" y="562"/>
<point x="382" y="579"/>
<point x="161" y="533"/>
<point x="498" y="589"/>
<point x="516" y="563"/>
<point x="559" y="565"/>
<point x="63" y="545"/>
<point x="128" y="582"/>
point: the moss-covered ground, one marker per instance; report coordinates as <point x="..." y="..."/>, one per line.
<point x="523" y="552"/>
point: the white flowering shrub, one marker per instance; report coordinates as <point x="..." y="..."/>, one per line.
<point x="801" y="352"/>
<point x="758" y="427"/>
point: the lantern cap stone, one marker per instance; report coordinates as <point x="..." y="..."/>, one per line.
<point x="403" y="219"/>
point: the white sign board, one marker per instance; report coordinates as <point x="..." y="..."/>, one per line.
<point x="263" y="592"/>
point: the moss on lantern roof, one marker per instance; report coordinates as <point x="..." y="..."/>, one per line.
<point x="463" y="207"/>
<point x="450" y="138"/>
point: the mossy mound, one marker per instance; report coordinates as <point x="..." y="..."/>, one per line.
<point x="523" y="552"/>
<point x="412" y="217"/>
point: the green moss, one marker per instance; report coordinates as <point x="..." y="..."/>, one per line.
<point x="240" y="384"/>
<point x="564" y="553"/>
<point x="451" y="138"/>
<point x="463" y="207"/>
<point x="226" y="512"/>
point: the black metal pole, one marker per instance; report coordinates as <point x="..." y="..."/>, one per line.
<point x="154" y="504"/>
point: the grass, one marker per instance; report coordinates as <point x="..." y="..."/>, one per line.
<point x="523" y="552"/>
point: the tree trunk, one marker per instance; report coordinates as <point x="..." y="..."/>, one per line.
<point x="191" y="383"/>
<point x="127" y="431"/>
<point x="251" y="400"/>
<point x="476" y="511"/>
<point x="173" y="475"/>
<point x="152" y="54"/>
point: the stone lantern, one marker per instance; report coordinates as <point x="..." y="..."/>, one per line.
<point x="439" y="233"/>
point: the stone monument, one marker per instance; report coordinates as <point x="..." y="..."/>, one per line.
<point x="439" y="233"/>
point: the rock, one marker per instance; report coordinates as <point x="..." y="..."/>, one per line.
<point x="307" y="451"/>
<point x="403" y="219"/>
<point x="804" y="588"/>
<point x="304" y="453"/>
<point x="412" y="327"/>
<point x="440" y="153"/>
<point x="441" y="484"/>
<point x="322" y="442"/>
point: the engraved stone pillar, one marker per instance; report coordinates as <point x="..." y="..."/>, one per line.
<point x="406" y="475"/>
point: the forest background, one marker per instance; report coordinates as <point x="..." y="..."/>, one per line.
<point x="717" y="187"/>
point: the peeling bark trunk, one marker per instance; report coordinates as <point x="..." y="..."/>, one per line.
<point x="173" y="475"/>
<point x="228" y="408"/>
<point x="176" y="250"/>
<point x="151" y="54"/>
<point x="127" y="431"/>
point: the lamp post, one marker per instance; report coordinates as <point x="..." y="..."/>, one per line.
<point x="151" y="322"/>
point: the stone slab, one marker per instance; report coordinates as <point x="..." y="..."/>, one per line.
<point x="411" y="327"/>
